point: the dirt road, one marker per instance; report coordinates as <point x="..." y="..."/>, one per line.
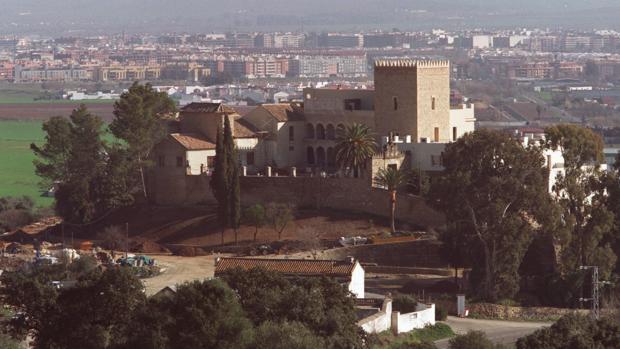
<point x="504" y="332"/>
<point x="179" y="270"/>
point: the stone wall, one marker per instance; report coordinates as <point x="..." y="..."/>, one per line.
<point x="505" y="312"/>
<point x="349" y="194"/>
<point x="339" y="193"/>
<point x="420" y="254"/>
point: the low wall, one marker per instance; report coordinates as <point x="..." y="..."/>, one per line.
<point x="380" y="321"/>
<point x="386" y="319"/>
<point x="422" y="317"/>
<point x="505" y="312"/>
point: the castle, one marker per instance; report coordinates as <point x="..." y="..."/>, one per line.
<point x="409" y="110"/>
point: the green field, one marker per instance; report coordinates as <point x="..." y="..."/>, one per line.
<point x="17" y="175"/>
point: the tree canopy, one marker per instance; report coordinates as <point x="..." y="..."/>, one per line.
<point x="90" y="175"/>
<point x="494" y="189"/>
<point x="138" y="122"/>
<point x="109" y="310"/>
<point x="355" y="144"/>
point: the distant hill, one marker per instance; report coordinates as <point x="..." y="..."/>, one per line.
<point x="95" y="16"/>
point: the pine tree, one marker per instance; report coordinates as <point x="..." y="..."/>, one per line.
<point x="137" y="121"/>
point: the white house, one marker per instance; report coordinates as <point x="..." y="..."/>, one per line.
<point x="348" y="272"/>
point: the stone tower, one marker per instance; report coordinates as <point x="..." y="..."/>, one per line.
<point x="413" y="98"/>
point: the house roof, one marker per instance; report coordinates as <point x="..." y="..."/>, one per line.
<point x="306" y="267"/>
<point x="202" y="107"/>
<point x="284" y="112"/>
<point x="244" y="129"/>
<point x="192" y="141"/>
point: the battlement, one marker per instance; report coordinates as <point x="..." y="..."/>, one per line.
<point x="411" y="63"/>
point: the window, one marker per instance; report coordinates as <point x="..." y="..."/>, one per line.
<point x="353" y="104"/>
<point x="249" y="158"/>
<point x="291" y="133"/>
<point x="179" y="161"/>
<point x="211" y="161"/>
<point x="395" y="100"/>
<point x="320" y="131"/>
<point x="161" y="161"/>
<point x="436" y="134"/>
<point x="454" y="133"/>
<point x="433" y="103"/>
<point x="393" y="166"/>
<point x="310" y="156"/>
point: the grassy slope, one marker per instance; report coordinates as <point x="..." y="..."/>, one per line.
<point x="16" y="170"/>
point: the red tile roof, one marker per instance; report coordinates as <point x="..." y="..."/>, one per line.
<point x="197" y="107"/>
<point x="304" y="267"/>
<point x="284" y="111"/>
<point x="192" y="141"/>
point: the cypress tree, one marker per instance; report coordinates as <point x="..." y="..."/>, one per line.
<point x="219" y="181"/>
<point x="233" y="213"/>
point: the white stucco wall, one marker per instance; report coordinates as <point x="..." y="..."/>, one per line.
<point x="356" y="286"/>
<point x="379" y="322"/>
<point x="424" y="156"/>
<point x="195" y="158"/>
<point x="463" y="119"/>
<point x="424" y="316"/>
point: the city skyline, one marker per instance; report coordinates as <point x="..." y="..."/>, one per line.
<point x="85" y="17"/>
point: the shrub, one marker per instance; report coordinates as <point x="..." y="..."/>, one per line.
<point x="14" y="218"/>
<point x="433" y="333"/>
<point x="404" y="303"/>
<point x="285" y="335"/>
<point x="441" y="313"/>
<point x="113" y="238"/>
<point x="574" y="331"/>
<point x="473" y="340"/>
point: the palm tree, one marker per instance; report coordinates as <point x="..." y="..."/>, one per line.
<point x="355" y="145"/>
<point x="391" y="178"/>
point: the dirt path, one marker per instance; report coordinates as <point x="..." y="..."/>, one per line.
<point x="179" y="270"/>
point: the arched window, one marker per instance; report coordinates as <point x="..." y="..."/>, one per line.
<point x="331" y="157"/>
<point x="310" y="155"/>
<point x="309" y="131"/>
<point x="330" y="132"/>
<point x="320" y="156"/>
<point x="340" y="130"/>
<point x="320" y="131"/>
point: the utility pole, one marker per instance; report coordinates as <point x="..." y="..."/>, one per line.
<point x="595" y="299"/>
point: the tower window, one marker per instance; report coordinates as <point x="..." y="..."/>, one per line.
<point x="454" y="133"/>
<point x="291" y="133"/>
<point x="395" y="100"/>
<point x="433" y="103"/>
<point x="436" y="134"/>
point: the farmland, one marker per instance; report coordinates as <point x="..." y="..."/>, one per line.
<point x="17" y="175"/>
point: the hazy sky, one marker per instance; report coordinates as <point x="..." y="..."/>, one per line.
<point x="93" y="16"/>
